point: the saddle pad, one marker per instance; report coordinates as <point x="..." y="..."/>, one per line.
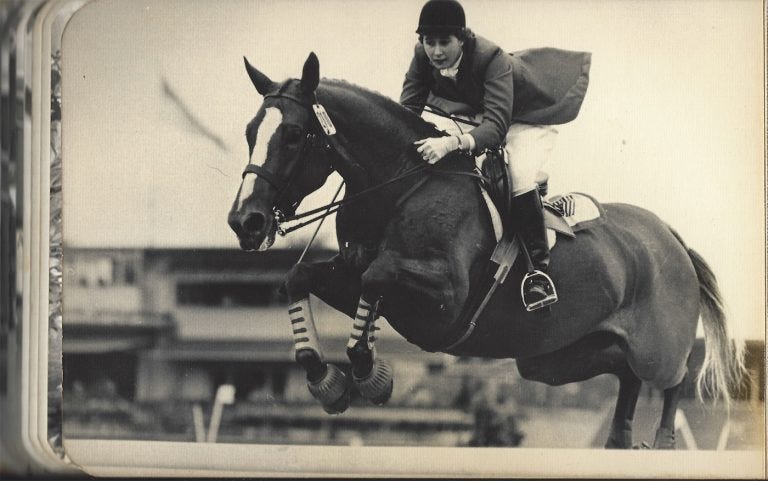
<point x="577" y="210"/>
<point x="563" y="214"/>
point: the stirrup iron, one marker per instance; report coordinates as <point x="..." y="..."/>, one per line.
<point x="551" y="297"/>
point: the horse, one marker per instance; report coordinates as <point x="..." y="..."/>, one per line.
<point x="414" y="247"/>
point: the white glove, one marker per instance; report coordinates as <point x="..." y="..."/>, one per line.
<point x="433" y="149"/>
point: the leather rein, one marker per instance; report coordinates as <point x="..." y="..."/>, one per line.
<point x="331" y="144"/>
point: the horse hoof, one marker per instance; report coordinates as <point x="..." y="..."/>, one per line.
<point x="340" y="405"/>
<point x="384" y="397"/>
<point x="332" y="390"/>
<point x="665" y="439"/>
<point x="619" y="440"/>
<point x="377" y="385"/>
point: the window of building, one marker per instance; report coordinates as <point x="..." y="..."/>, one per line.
<point x="228" y="294"/>
<point x="106" y="271"/>
<point x="107" y="375"/>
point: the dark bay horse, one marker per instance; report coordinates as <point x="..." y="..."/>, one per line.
<point x="414" y="248"/>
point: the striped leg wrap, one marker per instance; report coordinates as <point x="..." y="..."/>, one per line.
<point x="303" y="324"/>
<point x="364" y="325"/>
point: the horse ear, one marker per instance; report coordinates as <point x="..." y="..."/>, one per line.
<point x="310" y="76"/>
<point x="260" y="81"/>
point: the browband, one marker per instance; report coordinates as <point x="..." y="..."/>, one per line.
<point x="279" y="95"/>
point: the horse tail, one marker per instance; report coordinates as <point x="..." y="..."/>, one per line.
<point x="723" y="366"/>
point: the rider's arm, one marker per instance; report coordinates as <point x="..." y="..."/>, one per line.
<point x="497" y="104"/>
<point x="416" y="85"/>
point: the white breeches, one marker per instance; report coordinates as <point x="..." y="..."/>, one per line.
<point x="527" y="148"/>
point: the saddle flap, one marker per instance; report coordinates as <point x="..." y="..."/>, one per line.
<point x="498" y="184"/>
<point x="493" y="166"/>
<point x="576" y="210"/>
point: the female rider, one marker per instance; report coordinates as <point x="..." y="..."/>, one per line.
<point x="464" y="74"/>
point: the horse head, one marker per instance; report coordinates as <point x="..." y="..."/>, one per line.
<point x="288" y="158"/>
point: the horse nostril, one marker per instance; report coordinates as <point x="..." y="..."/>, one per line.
<point x="254" y="223"/>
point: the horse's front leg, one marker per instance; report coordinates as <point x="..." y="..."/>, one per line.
<point x="335" y="284"/>
<point x="418" y="293"/>
<point x="372" y="377"/>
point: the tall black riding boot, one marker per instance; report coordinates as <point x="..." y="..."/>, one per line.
<point x="537" y="288"/>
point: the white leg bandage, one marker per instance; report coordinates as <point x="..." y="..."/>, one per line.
<point x="303" y="324"/>
<point x="364" y="325"/>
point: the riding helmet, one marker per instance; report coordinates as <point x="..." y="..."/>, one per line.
<point x="441" y="17"/>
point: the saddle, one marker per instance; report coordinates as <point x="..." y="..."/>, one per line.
<point x="498" y="184"/>
<point x="497" y="181"/>
<point x="561" y="215"/>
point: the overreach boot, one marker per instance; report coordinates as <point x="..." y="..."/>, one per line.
<point x="527" y="216"/>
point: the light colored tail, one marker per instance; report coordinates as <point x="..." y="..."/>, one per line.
<point x="723" y="366"/>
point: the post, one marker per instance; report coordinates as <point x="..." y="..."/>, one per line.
<point x="225" y="394"/>
<point x="197" y="418"/>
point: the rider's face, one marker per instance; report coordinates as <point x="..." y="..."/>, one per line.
<point x="443" y="50"/>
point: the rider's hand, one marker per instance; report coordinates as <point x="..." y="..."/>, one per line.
<point x="435" y="148"/>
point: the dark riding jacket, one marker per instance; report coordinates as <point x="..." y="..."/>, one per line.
<point x="537" y="86"/>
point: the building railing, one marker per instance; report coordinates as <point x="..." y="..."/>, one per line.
<point x="115" y="318"/>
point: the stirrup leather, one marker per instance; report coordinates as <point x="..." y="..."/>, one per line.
<point x="551" y="297"/>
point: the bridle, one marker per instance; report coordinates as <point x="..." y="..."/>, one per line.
<point x="288" y="197"/>
<point x="330" y="144"/>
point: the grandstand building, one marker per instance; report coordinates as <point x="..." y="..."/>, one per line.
<point x="150" y="335"/>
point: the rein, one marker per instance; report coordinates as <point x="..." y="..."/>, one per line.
<point x="332" y="143"/>
<point x="332" y="207"/>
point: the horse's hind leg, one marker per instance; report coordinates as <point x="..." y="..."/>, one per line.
<point x="620" y="436"/>
<point x="598" y="353"/>
<point x="665" y="435"/>
<point x="334" y="284"/>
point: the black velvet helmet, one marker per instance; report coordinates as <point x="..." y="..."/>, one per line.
<point x="442" y="17"/>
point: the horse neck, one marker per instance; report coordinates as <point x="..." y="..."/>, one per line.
<point x="378" y="141"/>
<point x="379" y="145"/>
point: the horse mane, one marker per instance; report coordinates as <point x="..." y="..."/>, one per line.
<point x="343" y="90"/>
<point x="399" y="113"/>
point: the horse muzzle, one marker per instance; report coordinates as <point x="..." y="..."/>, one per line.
<point x="254" y="229"/>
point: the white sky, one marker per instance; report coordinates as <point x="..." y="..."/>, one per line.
<point x="673" y="119"/>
